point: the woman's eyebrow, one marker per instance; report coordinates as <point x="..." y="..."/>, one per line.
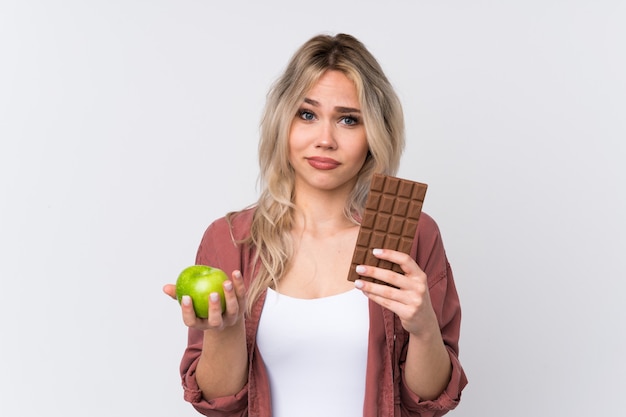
<point x="312" y="102"/>
<point x="338" y="109"/>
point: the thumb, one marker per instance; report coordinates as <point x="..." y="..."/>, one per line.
<point x="170" y="290"/>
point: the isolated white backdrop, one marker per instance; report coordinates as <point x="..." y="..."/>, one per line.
<point x="126" y="127"/>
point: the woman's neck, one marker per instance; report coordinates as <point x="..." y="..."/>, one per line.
<point x="321" y="216"/>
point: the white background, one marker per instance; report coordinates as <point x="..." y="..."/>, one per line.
<point x="127" y="126"/>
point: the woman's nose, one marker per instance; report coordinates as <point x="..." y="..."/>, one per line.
<point x="326" y="137"/>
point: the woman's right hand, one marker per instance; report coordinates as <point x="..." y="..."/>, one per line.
<point x="235" y="297"/>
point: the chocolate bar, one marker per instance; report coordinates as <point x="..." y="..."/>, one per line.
<point x="392" y="210"/>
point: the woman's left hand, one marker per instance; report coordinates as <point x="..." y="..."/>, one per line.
<point x="409" y="300"/>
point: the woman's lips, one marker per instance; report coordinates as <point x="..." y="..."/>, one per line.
<point x="318" y="162"/>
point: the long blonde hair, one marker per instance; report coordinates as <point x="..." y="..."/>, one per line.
<point x="384" y="126"/>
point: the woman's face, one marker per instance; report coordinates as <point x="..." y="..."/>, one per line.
<point x="327" y="141"/>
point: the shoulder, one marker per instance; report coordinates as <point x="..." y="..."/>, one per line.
<point x="235" y="225"/>
<point x="222" y="242"/>
<point x="428" y="249"/>
<point x="427" y="227"/>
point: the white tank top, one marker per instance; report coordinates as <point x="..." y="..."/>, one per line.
<point x="315" y="352"/>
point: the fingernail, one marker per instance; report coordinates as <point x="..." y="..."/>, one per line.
<point x="228" y="286"/>
<point x="238" y="274"/>
<point x="360" y="269"/>
<point x="377" y="251"/>
<point x="358" y="284"/>
<point x="186" y="300"/>
<point x="215" y="297"/>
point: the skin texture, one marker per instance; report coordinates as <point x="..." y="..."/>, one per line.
<point x="327" y="148"/>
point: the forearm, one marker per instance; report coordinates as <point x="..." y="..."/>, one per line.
<point x="223" y="366"/>
<point x="428" y="367"/>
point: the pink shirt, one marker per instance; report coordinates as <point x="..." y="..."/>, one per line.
<point x="386" y="393"/>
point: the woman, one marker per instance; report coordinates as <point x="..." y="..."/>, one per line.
<point x="298" y="338"/>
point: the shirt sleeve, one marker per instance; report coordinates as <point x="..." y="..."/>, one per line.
<point x="431" y="257"/>
<point x="218" y="250"/>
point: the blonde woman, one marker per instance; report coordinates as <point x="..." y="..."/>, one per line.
<point x="298" y="338"/>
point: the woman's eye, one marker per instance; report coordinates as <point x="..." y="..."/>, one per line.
<point x="350" y="120"/>
<point x="306" y="115"/>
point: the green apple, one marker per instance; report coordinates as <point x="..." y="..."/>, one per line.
<point x="198" y="281"/>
